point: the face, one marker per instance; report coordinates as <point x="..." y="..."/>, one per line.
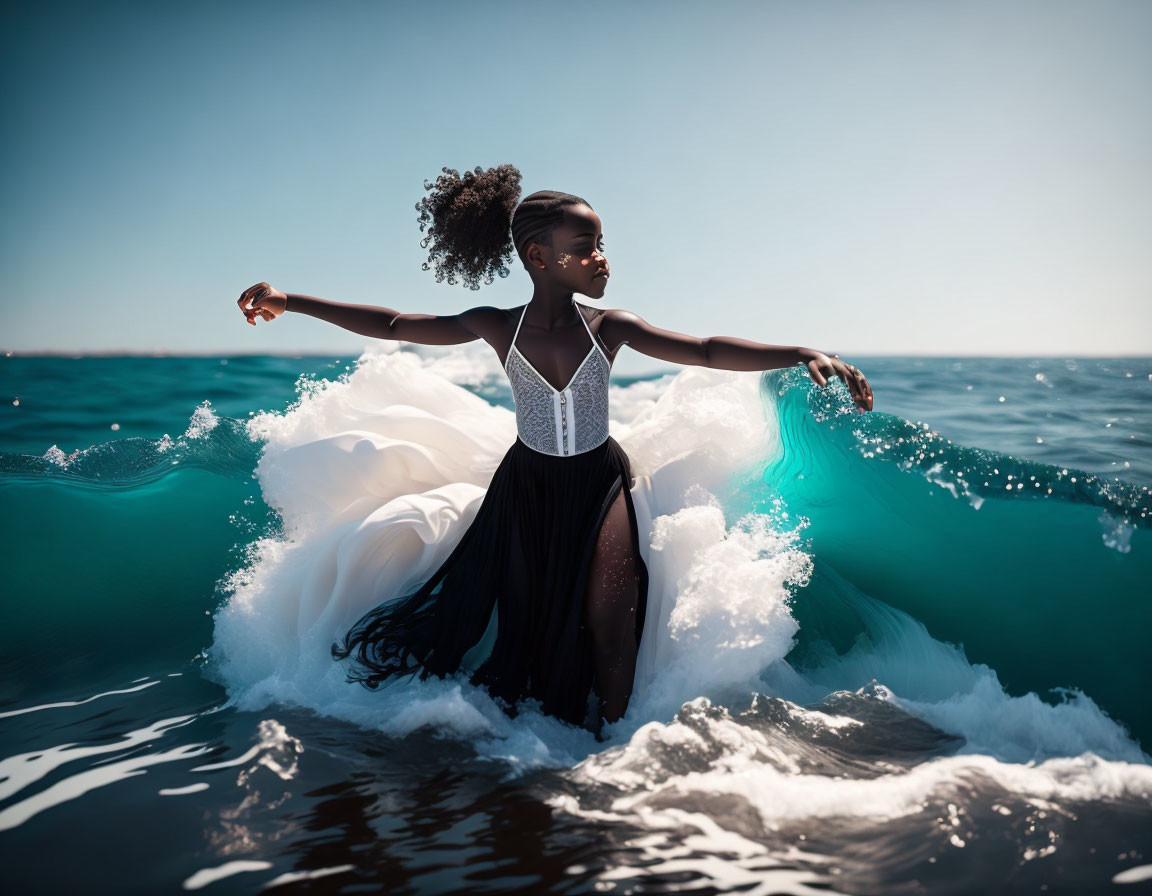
<point x="577" y="259"/>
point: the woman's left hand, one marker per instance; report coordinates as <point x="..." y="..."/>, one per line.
<point x="821" y="367"/>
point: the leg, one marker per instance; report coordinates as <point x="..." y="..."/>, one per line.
<point x="610" y="610"/>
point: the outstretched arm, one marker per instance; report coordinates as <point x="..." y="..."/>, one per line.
<point x="376" y="321"/>
<point x="729" y="353"/>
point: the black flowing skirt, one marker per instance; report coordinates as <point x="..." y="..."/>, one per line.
<point x="525" y="555"/>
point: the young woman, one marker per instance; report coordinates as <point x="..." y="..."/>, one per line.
<point x="552" y="556"/>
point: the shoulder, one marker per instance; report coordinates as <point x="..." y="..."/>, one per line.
<point x="487" y="321"/>
<point x="621" y="316"/>
<point x="618" y="325"/>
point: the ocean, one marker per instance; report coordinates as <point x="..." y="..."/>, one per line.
<point x="897" y="652"/>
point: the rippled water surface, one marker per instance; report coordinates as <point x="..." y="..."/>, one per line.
<point x="908" y="649"/>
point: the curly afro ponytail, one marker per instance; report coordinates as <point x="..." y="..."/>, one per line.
<point x="476" y="222"/>
<point x="471" y="218"/>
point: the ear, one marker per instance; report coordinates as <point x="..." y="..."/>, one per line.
<point x="535" y="255"/>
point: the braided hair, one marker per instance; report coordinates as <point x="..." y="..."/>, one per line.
<point x="474" y="222"/>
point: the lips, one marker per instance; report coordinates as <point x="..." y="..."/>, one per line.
<point x="603" y="274"/>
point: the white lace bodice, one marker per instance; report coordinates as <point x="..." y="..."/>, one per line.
<point x="571" y="421"/>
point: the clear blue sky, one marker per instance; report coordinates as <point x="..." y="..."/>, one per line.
<point x="861" y="177"/>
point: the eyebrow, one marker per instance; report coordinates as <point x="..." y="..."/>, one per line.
<point x="585" y="233"/>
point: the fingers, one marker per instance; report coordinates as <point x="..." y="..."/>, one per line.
<point x="867" y="392"/>
<point x="862" y="392"/>
<point x="249" y="302"/>
<point x="819" y="368"/>
<point x="247" y="295"/>
<point x="852" y="381"/>
<point x="263" y="312"/>
<point x="254" y="293"/>
<point x="864" y="389"/>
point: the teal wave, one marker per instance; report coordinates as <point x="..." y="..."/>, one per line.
<point x="119" y="552"/>
<point x="225" y="449"/>
<point x="1040" y="572"/>
<point x="113" y="559"/>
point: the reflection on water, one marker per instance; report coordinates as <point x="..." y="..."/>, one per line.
<point x="847" y="795"/>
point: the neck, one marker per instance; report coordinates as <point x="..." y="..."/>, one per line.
<point x="550" y="308"/>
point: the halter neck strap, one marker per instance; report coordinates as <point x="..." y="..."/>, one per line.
<point x="517" y="333"/>
<point x="583" y="318"/>
<point x="579" y="314"/>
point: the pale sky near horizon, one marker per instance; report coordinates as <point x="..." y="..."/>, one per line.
<point x="920" y="178"/>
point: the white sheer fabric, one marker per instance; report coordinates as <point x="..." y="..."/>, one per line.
<point x="377" y="478"/>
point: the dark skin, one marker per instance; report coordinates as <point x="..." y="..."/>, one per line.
<point x="567" y="267"/>
<point x="553" y="340"/>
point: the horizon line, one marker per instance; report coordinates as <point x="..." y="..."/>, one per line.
<point x="319" y="353"/>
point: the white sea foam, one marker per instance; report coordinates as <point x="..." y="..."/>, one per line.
<point x="724" y="800"/>
<point x="752" y="765"/>
<point x="377" y="476"/>
<point x="740" y="786"/>
<point x="203" y="421"/>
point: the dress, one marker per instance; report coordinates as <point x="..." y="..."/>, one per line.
<point x="507" y="605"/>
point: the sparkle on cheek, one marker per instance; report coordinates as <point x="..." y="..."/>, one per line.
<point x="563" y="260"/>
<point x="583" y="261"/>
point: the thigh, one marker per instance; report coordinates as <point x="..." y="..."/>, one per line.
<point x="611" y="595"/>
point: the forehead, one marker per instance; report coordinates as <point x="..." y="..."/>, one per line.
<point x="578" y="220"/>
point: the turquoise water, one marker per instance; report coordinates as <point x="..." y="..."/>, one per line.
<point x="1038" y="569"/>
<point x="980" y="547"/>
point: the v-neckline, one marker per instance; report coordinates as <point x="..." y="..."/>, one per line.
<point x="532" y="367"/>
<point x="544" y="380"/>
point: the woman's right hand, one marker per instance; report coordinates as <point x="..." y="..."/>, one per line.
<point x="264" y="300"/>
